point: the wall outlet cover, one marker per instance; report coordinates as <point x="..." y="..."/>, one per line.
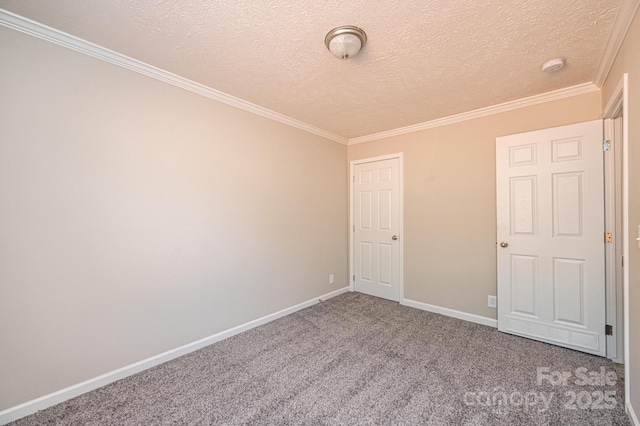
<point x="492" y="301"/>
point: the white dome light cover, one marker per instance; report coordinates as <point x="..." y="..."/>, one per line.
<point x="345" y="42"/>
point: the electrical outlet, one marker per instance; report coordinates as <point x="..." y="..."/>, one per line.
<point x="492" y="303"/>
<point x="330" y="278"/>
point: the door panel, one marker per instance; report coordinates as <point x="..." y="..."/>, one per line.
<point x="568" y="291"/>
<point x="523" y="205"/>
<point x="523" y="284"/>
<point x="376" y="189"/>
<point x="550" y="209"/>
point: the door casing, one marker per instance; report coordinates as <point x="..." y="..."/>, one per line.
<point x="613" y="225"/>
<point x="618" y="105"/>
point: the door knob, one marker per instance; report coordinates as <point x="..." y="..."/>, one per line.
<point x="504" y="244"/>
<point x="395" y="237"/>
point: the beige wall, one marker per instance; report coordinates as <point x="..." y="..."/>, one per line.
<point x="450" y="200"/>
<point x="136" y="217"/>
<point x="628" y="61"/>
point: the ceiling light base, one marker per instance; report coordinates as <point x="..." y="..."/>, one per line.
<point x="345" y="42"/>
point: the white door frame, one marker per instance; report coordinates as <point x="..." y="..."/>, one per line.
<point x="618" y="105"/>
<point x="613" y="224"/>
<point x="352" y="269"/>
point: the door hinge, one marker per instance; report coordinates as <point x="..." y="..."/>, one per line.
<point x="608" y="330"/>
<point x="622" y="261"/>
<point x="607" y="237"/>
<point x="354" y="278"/>
<point x="354" y="228"/>
<point x="606" y="145"/>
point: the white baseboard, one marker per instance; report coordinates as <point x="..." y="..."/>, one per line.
<point x="450" y="312"/>
<point x="632" y="414"/>
<point x="30" y="407"/>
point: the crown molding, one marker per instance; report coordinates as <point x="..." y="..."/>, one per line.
<point x="624" y="17"/>
<point x="36" y="29"/>
<point x="567" y="92"/>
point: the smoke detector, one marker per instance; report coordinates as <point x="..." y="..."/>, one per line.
<point x="553" y="65"/>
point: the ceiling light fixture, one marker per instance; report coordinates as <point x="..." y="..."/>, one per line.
<point x="553" y="65"/>
<point x="345" y="42"/>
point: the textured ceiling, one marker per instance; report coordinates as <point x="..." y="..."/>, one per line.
<point x="424" y="59"/>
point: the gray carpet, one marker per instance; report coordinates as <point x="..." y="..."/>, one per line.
<point x="356" y="359"/>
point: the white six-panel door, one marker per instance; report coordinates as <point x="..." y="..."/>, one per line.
<point x="550" y="229"/>
<point x="376" y="233"/>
